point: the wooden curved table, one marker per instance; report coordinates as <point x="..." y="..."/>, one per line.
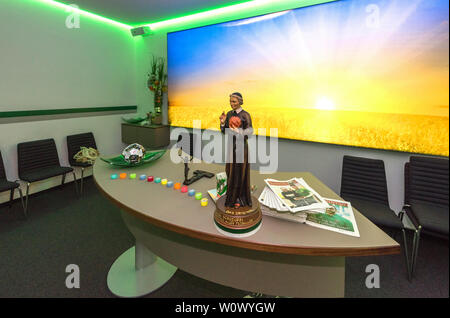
<point x="283" y="258"/>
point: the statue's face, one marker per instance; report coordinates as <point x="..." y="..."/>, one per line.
<point x="234" y="103"/>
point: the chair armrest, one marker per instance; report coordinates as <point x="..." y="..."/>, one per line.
<point x="409" y="212"/>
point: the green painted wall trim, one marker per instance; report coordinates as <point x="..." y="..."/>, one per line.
<point x="46" y="112"/>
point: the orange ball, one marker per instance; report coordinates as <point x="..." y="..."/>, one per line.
<point x="234" y="122"/>
<point x="123" y="175"/>
<point x="176" y="186"/>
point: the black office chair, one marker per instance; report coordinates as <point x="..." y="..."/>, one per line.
<point x="364" y="185"/>
<point x="74" y="143"/>
<point x="6" y="185"/>
<point x="426" y="199"/>
<point x="38" y="160"/>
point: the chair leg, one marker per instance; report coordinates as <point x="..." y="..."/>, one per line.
<point x="415" y="250"/>
<point x="11" y="196"/>
<point x="23" y="205"/>
<point x="63" y="179"/>
<point x="26" y="198"/>
<point x="408" y="266"/>
<point x="82" y="175"/>
<point x="75" y="182"/>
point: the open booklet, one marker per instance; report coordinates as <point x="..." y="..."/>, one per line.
<point x="295" y="195"/>
<point x="294" y="200"/>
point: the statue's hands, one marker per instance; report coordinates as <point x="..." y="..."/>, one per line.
<point x="222" y="118"/>
<point x="235" y="129"/>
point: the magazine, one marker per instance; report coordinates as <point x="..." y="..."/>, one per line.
<point x="268" y="199"/>
<point x="295" y="195"/>
<point x="338" y="218"/>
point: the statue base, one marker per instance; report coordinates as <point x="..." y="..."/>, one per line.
<point x="237" y="222"/>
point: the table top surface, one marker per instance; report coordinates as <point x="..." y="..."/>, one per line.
<point x="176" y="211"/>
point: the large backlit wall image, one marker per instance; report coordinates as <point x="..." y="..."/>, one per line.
<point x="363" y="73"/>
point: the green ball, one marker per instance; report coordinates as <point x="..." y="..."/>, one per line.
<point x="132" y="176"/>
<point x="198" y="196"/>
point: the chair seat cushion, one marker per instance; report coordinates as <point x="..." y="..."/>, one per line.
<point x="45" y="173"/>
<point x="432" y="217"/>
<point x="7" y="185"/>
<point x="377" y="213"/>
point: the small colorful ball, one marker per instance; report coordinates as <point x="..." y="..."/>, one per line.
<point x="158" y="180"/>
<point x="169" y="184"/>
<point x="132" y="176"/>
<point x="191" y="193"/>
<point x="163" y="181"/>
<point x="123" y="175"/>
<point x="177" y="186"/>
<point x="184" y="189"/>
<point x="142" y="177"/>
<point x="198" y="196"/>
<point x="150" y="179"/>
<point x="204" y="202"/>
<point x="114" y="176"/>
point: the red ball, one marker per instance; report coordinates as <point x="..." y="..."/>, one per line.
<point x="235" y="122"/>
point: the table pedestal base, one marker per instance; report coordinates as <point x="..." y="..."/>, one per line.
<point x="138" y="272"/>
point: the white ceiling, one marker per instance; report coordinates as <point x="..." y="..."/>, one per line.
<point x="137" y="12"/>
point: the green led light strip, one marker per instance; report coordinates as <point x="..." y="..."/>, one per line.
<point x="205" y="14"/>
<point x="249" y="8"/>
<point x="220" y="12"/>
<point x="69" y="8"/>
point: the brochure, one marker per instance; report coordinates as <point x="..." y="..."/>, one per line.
<point x="295" y="195"/>
<point x="338" y="218"/>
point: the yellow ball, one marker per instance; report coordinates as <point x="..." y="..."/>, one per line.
<point x="204" y="202"/>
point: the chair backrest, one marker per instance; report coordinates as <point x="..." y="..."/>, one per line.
<point x="426" y="180"/>
<point x="34" y="155"/>
<point x="2" y="168"/>
<point x="74" y="142"/>
<point x="364" y="178"/>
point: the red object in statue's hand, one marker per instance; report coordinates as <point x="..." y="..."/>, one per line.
<point x="235" y="122"/>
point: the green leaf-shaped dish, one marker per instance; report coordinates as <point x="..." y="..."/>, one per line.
<point x="133" y="120"/>
<point x="119" y="161"/>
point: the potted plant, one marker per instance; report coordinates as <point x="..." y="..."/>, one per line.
<point x="157" y="83"/>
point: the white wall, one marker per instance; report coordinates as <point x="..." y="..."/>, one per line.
<point x="45" y="65"/>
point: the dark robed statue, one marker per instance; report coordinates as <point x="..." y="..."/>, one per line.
<point x="237" y="166"/>
<point x="237" y="212"/>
